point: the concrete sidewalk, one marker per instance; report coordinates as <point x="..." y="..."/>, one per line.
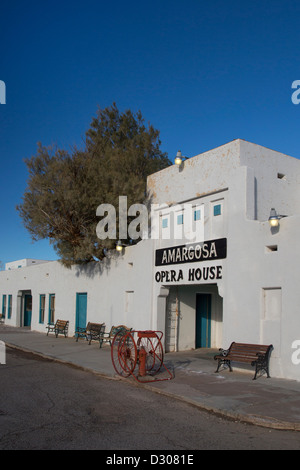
<point x="273" y="403"/>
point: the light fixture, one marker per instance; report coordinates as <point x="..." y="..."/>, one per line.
<point x="274" y="218"/>
<point x="179" y="158"/>
<point x="119" y="246"/>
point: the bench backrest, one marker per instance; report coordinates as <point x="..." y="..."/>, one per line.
<point x="245" y="350"/>
<point x="61" y="323"/>
<point x="119" y="329"/>
<point x="98" y="327"/>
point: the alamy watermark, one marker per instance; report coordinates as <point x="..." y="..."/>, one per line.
<point x="296" y="94"/>
<point x="140" y="221"/>
<point x="296" y="353"/>
<point x="2" y="353"/>
<point x="2" y="92"/>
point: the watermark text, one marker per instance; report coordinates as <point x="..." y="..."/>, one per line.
<point x="181" y="221"/>
<point x="2" y="353"/>
<point x="2" y="92"/>
<point x="296" y="94"/>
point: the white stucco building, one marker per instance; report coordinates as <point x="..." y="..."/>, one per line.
<point x="236" y="280"/>
<point x="22" y="263"/>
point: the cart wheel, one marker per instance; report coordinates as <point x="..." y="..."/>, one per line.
<point x="124" y="354"/>
<point x="114" y="353"/>
<point x="154" y="350"/>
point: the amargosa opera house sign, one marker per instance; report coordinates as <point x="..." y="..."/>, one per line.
<point x="211" y="250"/>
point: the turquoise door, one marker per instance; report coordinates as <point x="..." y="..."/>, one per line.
<point x="81" y="308"/>
<point x="203" y="320"/>
<point x="27" y="309"/>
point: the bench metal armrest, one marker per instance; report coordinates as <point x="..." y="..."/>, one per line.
<point x="224" y="352"/>
<point x="260" y="358"/>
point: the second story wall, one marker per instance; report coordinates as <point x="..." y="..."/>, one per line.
<point x="211" y="191"/>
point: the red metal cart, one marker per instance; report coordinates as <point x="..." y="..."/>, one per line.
<point x="143" y="349"/>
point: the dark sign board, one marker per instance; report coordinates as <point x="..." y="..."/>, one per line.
<point x="190" y="253"/>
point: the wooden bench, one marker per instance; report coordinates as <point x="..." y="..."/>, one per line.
<point x="108" y="337"/>
<point x="92" y="331"/>
<point x="255" y="354"/>
<point x="60" y="327"/>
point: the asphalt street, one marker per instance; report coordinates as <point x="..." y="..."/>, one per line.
<point x="48" y="405"/>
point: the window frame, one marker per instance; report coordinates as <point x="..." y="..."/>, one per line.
<point x="196" y="213"/>
<point x="180" y="219"/>
<point x="4" y="305"/>
<point x="9" y="306"/>
<point x="42" y="309"/>
<point x="51" y="311"/>
<point x="217" y="209"/>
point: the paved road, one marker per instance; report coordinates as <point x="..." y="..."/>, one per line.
<point x="47" y="405"/>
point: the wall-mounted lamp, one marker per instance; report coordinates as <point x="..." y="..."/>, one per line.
<point x="274" y="218"/>
<point x="119" y="246"/>
<point x="179" y="158"/>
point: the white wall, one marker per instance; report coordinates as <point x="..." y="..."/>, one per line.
<point x="277" y="178"/>
<point x="107" y="284"/>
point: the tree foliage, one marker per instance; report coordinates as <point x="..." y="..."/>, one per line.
<point x="65" y="187"/>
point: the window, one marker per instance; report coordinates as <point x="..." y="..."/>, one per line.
<point x="164" y="223"/>
<point x="42" y="307"/>
<point x="4" y="305"/>
<point x="164" y="226"/>
<point x="197" y="215"/>
<point x="180" y="219"/>
<point x="9" y="307"/>
<point x="51" y="308"/>
<point x="217" y="209"/>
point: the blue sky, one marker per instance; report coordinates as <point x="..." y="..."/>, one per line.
<point x="202" y="72"/>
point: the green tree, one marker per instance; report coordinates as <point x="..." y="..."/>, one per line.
<point x="65" y="188"/>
